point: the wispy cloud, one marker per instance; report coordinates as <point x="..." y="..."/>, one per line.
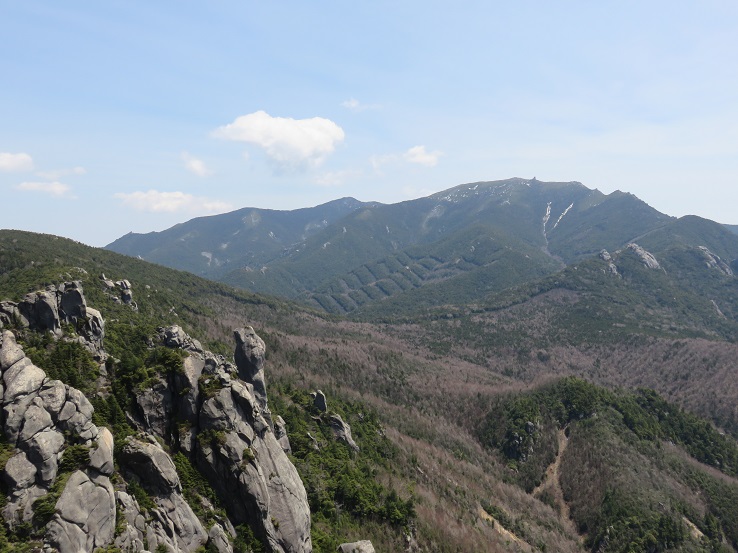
<point x="155" y="201"/>
<point x="15" y="163"/>
<point x="56" y="189"/>
<point x="336" y="178"/>
<point x="291" y="144"/>
<point x="59" y="173"/>
<point x="354" y="105"/>
<point x="378" y="161"/>
<point x="195" y="165"/>
<point x="418" y="154"/>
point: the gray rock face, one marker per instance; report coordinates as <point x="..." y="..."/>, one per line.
<point x="155" y="407"/>
<point x="72" y="304"/>
<point x="88" y="322"/>
<point x="175" y="525"/>
<point x="187" y="382"/>
<point x="134" y="530"/>
<point x="363" y="546"/>
<point x="38" y="413"/>
<point x="85" y="517"/>
<point x="10" y="315"/>
<point x="46" y="310"/>
<point x="19" y="509"/>
<point x="19" y="472"/>
<point x="175" y="337"/>
<point x="10" y="351"/>
<point x="126" y="292"/>
<point x="280" y="432"/>
<point x="237" y="449"/>
<point x="219" y="539"/>
<point x="151" y="465"/>
<point x="249" y="356"/>
<point x="246" y="465"/>
<point x="41" y="311"/>
<point x="44" y="450"/>
<point x="342" y="431"/>
<point x="172" y="522"/>
<point x="101" y="459"/>
<point x="249" y="466"/>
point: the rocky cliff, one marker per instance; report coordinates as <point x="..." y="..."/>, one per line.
<point x="72" y="486"/>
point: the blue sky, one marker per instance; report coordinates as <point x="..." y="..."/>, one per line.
<point x="133" y="116"/>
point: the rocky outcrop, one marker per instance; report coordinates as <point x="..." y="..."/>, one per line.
<point x="342" y="431"/>
<point x="42" y="418"/>
<point x="171" y="522"/>
<point x="46" y="310"/>
<point x="175" y="337"/>
<point x="249" y="356"/>
<point x="319" y="401"/>
<point x="224" y="425"/>
<point x="607" y="258"/>
<point x="713" y="261"/>
<point x="126" y="292"/>
<point x="363" y="546"/>
<point x="133" y="533"/>
<point x="219" y="540"/>
<point x="40" y="311"/>
<point x="9" y="314"/>
<point x="247" y="464"/>
<point x="645" y="257"/>
<point x="87" y="321"/>
<point x="213" y="411"/>
<point x="280" y="432"/>
<point x="119" y="291"/>
<point x="85" y="514"/>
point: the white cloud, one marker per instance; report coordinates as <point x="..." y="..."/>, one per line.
<point x="59" y="173"/>
<point x="292" y="144"/>
<point x="195" y="165"/>
<point x="417" y="154"/>
<point x="15" y="162"/>
<point x="56" y="189"/>
<point x="155" y="201"/>
<point x="378" y="161"/>
<point x="335" y="178"/>
<point x="354" y="105"/>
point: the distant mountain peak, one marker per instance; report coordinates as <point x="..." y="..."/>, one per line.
<point x="452" y="246"/>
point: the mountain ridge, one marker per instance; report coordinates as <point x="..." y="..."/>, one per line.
<point x="453" y="246"/>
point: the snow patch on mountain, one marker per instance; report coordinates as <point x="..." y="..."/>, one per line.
<point x="562" y="215"/>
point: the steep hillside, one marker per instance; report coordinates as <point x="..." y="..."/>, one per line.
<point x="211" y="246"/>
<point x="632" y="471"/>
<point x="496" y="233"/>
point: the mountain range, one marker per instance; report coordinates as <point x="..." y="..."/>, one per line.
<point x="457" y="246"/>
<point x="553" y="370"/>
